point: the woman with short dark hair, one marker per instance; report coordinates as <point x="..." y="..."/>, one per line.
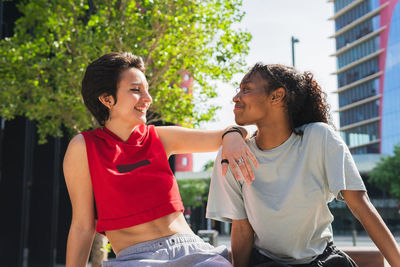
<point x="119" y="180"/>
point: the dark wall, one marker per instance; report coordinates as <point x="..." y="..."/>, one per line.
<point x="8" y="15"/>
<point x="11" y="191"/>
<point x="34" y="202"/>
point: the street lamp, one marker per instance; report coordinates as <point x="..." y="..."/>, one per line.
<point x="294" y="40"/>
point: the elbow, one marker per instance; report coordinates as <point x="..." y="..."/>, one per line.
<point x="360" y="206"/>
<point x="87" y="226"/>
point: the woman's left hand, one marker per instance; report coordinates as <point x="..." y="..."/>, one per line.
<point x="238" y="154"/>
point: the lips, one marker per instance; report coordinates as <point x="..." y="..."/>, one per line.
<point x="237" y="108"/>
<point x="142" y="109"/>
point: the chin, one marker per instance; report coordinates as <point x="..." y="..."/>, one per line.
<point x="140" y="121"/>
<point x="239" y="121"/>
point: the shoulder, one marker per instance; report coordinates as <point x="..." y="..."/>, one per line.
<point x="78" y="141"/>
<point x="315" y="129"/>
<point x="323" y="134"/>
<point x="75" y="159"/>
<point x="76" y="148"/>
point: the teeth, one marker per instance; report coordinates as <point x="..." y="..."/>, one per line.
<point x="141" y="109"/>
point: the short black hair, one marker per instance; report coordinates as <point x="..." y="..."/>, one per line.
<point x="102" y="77"/>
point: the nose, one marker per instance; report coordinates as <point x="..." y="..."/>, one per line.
<point x="147" y="97"/>
<point x="236" y="97"/>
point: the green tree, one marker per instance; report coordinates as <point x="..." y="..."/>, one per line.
<point x="209" y="165"/>
<point x="386" y="174"/>
<point x="42" y="65"/>
<point x="194" y="192"/>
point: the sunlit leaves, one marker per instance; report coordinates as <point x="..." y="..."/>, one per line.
<point x="386" y="174"/>
<point x="194" y="191"/>
<point x="42" y="65"/>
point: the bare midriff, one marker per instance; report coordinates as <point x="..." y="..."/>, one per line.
<point x="173" y="223"/>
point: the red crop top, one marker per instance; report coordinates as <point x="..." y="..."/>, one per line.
<point x="132" y="181"/>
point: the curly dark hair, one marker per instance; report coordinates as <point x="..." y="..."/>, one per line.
<point x="305" y="101"/>
<point x="102" y="77"/>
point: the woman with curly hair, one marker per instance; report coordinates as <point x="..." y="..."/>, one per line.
<point x="282" y="218"/>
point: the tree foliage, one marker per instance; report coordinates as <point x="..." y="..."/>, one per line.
<point x="209" y="165"/>
<point x="42" y="65"/>
<point x="386" y="174"/>
<point x="194" y="192"/>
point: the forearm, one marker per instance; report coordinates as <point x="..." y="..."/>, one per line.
<point x="376" y="228"/>
<point x="242" y="240"/>
<point x="179" y="140"/>
<point x="78" y="246"/>
<point x="213" y="139"/>
<point x="380" y="234"/>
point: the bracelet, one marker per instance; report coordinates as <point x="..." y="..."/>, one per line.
<point x="231" y="130"/>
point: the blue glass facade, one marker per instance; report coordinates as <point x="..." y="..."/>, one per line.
<point x="360" y="92"/>
<point x="352" y="15"/>
<point x="369" y="149"/>
<point x="371" y="126"/>
<point x="357" y="32"/>
<point x="361" y="135"/>
<point x="358" y="72"/>
<point x="364" y="137"/>
<point x="359" y="113"/>
<point x="391" y="93"/>
<point x="364" y="49"/>
<point x="368" y="84"/>
<point x="339" y="4"/>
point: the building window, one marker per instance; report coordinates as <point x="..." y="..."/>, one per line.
<point x="364" y="49"/>
<point x="361" y="135"/>
<point x="358" y="72"/>
<point x="185" y="161"/>
<point x="360" y="113"/>
<point x="359" y="93"/>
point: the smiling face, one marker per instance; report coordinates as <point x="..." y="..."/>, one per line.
<point x="251" y="102"/>
<point x="133" y="98"/>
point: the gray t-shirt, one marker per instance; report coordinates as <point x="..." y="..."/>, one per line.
<point x="287" y="202"/>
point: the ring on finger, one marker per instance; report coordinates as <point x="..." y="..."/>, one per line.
<point x="224" y="161"/>
<point x="240" y="160"/>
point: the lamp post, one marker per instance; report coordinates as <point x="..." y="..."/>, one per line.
<point x="294" y="40"/>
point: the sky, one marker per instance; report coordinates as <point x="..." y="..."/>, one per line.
<point x="271" y="24"/>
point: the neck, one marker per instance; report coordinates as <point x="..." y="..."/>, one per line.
<point x="272" y="135"/>
<point x="121" y="130"/>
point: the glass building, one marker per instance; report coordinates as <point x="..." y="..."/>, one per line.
<point x="367" y="34"/>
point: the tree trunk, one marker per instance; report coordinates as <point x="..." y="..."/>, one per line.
<point x="99" y="251"/>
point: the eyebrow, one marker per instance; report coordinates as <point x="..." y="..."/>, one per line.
<point x="245" y="82"/>
<point x="140" y="83"/>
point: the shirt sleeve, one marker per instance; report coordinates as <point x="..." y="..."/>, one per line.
<point x="341" y="170"/>
<point x="225" y="200"/>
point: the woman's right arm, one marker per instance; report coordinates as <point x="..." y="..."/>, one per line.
<point x="242" y="240"/>
<point x="77" y="178"/>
